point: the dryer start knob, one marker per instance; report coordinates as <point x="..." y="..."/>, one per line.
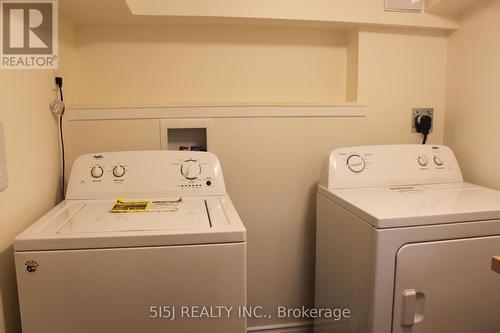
<point x="356" y="163"/>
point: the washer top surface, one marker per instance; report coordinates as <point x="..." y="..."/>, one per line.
<point x="86" y="224"/>
<point x="403" y="206"/>
<point x="95" y="217"/>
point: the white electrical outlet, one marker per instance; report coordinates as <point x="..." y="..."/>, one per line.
<point x="4" y="180"/>
<point x="53" y="84"/>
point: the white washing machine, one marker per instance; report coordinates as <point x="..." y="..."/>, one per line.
<point x="405" y="244"/>
<point x="81" y="268"/>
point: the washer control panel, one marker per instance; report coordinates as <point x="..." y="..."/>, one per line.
<point x="145" y="174"/>
<point x="196" y="174"/>
<point x="99" y="171"/>
<point x="390" y="165"/>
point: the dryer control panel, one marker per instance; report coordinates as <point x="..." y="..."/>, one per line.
<point x="390" y="165"/>
<point x="145" y="174"/>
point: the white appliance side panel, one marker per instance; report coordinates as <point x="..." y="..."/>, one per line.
<point x="343" y="267"/>
<point x="112" y="290"/>
<point x="456" y="289"/>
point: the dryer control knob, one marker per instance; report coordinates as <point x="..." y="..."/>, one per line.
<point x="422" y="160"/>
<point x="118" y="171"/>
<point x="190" y="169"/>
<point x="438" y="161"/>
<point x="356" y="163"/>
<point x="97" y="171"/>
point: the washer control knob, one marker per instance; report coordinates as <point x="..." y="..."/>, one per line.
<point x="118" y="171"/>
<point x="422" y="160"/>
<point x="190" y="169"/>
<point x="356" y="163"/>
<point x="438" y="161"/>
<point x="97" y="171"/>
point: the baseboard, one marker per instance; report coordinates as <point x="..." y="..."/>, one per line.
<point x="300" y="327"/>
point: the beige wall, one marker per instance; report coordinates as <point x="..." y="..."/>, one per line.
<point x="473" y="107"/>
<point x="271" y="165"/>
<point x="196" y="64"/>
<point x="33" y="162"/>
<point x="33" y="166"/>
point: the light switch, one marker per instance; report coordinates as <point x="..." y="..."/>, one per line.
<point x="404" y="5"/>
<point x="4" y="180"/>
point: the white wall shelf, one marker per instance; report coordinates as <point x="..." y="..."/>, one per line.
<point x="106" y="113"/>
<point x="358" y="12"/>
<point x="450" y="7"/>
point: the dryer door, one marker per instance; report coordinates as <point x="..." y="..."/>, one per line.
<point x="447" y="286"/>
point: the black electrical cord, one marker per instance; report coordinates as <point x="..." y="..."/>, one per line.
<point x="424" y="141"/>
<point x="58" y="80"/>
<point x="61" y="138"/>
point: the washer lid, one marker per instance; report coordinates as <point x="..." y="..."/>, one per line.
<point x="95" y="217"/>
<point x="89" y="224"/>
<point x="401" y="206"/>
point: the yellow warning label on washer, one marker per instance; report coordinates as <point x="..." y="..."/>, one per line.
<point x="122" y="206"/>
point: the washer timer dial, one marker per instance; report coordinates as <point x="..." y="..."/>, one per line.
<point x="356" y="163"/>
<point x="190" y="169"/>
<point x="97" y="171"/>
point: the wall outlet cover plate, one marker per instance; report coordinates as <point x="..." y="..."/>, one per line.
<point x="420" y="112"/>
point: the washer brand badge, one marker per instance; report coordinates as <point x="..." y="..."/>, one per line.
<point x="31" y="266"/>
<point x="98" y="157"/>
<point x="29" y="34"/>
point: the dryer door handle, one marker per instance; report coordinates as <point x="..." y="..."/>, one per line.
<point x="413" y="305"/>
<point x="495" y="264"/>
<point x="408" y="307"/>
